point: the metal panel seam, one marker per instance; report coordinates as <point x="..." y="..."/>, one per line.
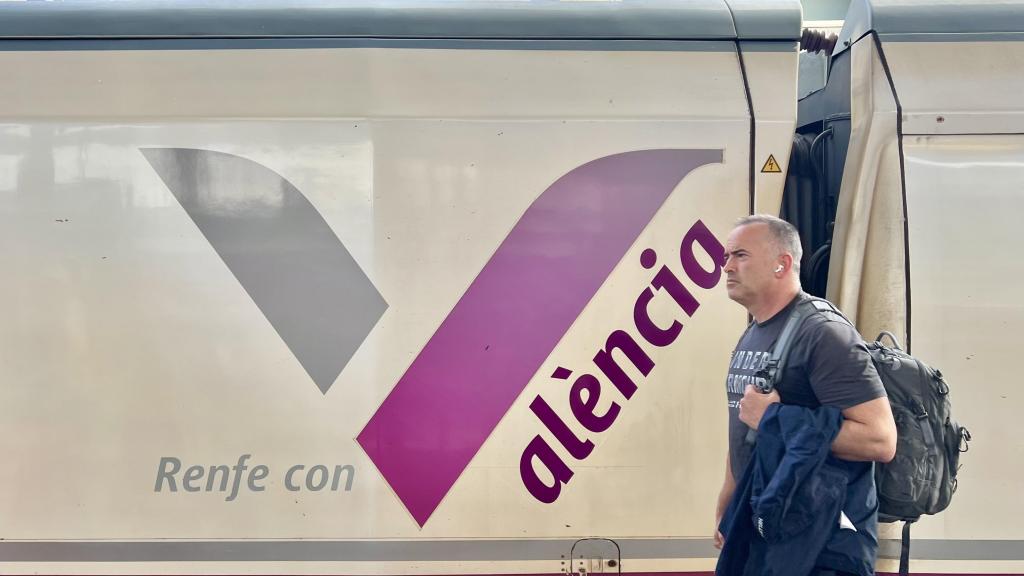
<point x="903" y="182"/>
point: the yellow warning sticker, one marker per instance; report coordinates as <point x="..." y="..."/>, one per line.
<point x="771" y="166"/>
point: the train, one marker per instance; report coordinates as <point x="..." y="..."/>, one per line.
<point x="431" y="287"/>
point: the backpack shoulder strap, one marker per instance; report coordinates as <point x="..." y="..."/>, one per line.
<point x="828" y="310"/>
<point x="772" y="370"/>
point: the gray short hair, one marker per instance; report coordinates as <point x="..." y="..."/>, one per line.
<point x="784" y="234"/>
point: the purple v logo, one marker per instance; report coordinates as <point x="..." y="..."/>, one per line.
<point x="511" y="317"/>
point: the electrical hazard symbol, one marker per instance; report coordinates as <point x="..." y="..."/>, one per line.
<point x="771" y="166"/>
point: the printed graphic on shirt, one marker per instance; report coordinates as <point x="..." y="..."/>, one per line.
<point x="743" y="369"/>
<point x="752" y="353"/>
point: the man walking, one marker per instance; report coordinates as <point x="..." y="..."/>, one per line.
<point x="827" y="364"/>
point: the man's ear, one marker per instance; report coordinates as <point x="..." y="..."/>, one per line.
<point x="785" y="263"/>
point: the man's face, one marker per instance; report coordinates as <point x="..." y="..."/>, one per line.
<point x="751" y="258"/>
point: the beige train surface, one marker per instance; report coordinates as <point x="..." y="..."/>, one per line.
<point x="393" y="287"/>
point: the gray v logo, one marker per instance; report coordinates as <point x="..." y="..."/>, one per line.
<point x="282" y="252"/>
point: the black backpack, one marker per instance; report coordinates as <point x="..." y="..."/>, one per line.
<point x="921" y="478"/>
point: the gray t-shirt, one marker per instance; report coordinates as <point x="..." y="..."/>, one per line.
<point x="828" y="364"/>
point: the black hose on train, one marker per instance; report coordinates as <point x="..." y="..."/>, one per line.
<point x="818" y="41"/>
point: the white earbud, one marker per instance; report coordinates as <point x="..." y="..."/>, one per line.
<point x="779" y="269"/>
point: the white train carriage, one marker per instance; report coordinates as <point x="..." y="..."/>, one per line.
<point x="432" y="287"/>
<point x="921" y="160"/>
<point x="353" y="287"/>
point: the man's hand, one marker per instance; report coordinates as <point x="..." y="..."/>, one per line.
<point x="719" y="539"/>
<point x="753" y="405"/>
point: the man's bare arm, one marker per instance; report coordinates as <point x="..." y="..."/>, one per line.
<point x="868" y="433"/>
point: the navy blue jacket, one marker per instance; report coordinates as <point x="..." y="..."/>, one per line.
<point x="784" y="517"/>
